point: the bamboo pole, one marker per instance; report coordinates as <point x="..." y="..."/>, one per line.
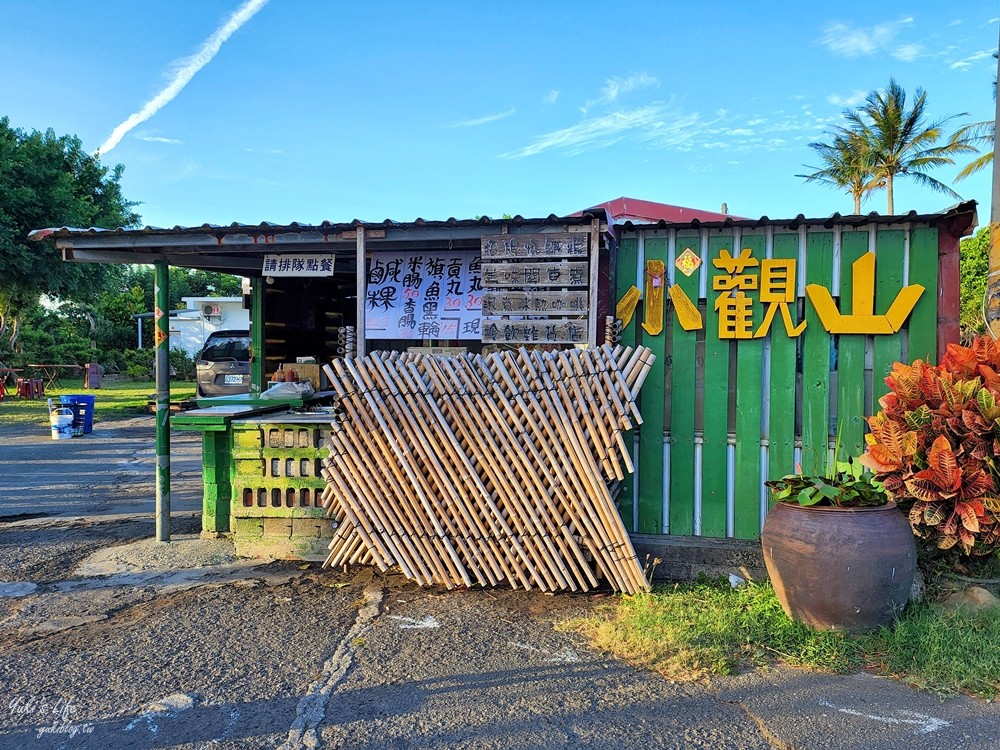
<point x="491" y="465"/>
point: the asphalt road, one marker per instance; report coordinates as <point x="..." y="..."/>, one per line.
<point x="108" y="640"/>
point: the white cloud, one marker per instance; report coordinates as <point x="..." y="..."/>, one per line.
<point x="956" y="22"/>
<point x="269" y="151"/>
<point x="908" y="52"/>
<point x="848" y="41"/>
<point x="550" y="98"/>
<point x="966" y="63"/>
<point x="483" y="120"/>
<point x="852" y="100"/>
<point x="657" y="125"/>
<point x="157" y="139"/>
<point x="208" y="50"/>
<point x="616" y="86"/>
<point x="663" y="125"/>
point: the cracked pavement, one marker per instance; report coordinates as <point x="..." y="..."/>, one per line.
<point x="110" y="640"/>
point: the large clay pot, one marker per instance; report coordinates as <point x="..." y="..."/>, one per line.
<point x="840" y="568"/>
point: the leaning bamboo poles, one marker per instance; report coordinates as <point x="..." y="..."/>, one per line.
<point x="485" y="470"/>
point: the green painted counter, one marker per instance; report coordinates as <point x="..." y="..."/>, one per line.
<point x="261" y="473"/>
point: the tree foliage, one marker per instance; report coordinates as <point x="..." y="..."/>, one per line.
<point x="48" y="180"/>
<point x="981" y="134"/>
<point x="974" y="265"/>
<point x="846" y="165"/>
<point x="888" y="137"/>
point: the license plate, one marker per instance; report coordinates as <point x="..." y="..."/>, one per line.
<point x="233" y="380"/>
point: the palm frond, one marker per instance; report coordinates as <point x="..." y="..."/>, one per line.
<point x="976" y="165"/>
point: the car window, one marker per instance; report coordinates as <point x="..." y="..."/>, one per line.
<point x="227" y="347"/>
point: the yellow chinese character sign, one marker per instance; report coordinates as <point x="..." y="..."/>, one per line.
<point x="774" y="280"/>
<point x="863" y="318"/>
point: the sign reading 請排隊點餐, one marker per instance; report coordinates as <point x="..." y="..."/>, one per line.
<point x="298" y="264"/>
<point x="773" y="284"/>
<point x="527" y="280"/>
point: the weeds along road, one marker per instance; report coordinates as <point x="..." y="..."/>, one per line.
<point x="110" y="640"/>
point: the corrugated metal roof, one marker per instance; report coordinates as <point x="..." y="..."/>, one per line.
<point x="837" y="219"/>
<point x="701" y="219"/>
<point x="325" y="227"/>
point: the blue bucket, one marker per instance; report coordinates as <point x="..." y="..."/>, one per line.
<point x="82" y="405"/>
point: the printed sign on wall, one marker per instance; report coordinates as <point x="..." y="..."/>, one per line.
<point x="424" y="295"/>
<point x="298" y="264"/>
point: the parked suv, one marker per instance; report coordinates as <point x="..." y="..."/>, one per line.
<point x="224" y="364"/>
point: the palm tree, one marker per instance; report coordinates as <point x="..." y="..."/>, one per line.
<point x="979" y="134"/>
<point x="900" y="142"/>
<point x="847" y="165"/>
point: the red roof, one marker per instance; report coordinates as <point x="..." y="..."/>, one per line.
<point x="647" y="212"/>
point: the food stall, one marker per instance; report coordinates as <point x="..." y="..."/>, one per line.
<point x="322" y="292"/>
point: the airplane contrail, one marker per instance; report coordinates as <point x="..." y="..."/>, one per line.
<point x="199" y="60"/>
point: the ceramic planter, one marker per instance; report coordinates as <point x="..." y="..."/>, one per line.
<point x="840" y="568"/>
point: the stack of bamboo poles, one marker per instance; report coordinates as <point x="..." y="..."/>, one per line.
<point x="612" y="329"/>
<point x="486" y="469"/>
<point x="347" y="342"/>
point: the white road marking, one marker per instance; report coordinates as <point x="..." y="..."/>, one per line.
<point x="165" y="708"/>
<point x="926" y="724"/>
<point x="566" y="656"/>
<point x="409" y="623"/>
<point x="312" y="706"/>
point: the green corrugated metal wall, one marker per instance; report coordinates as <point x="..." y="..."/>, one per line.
<point x="721" y="416"/>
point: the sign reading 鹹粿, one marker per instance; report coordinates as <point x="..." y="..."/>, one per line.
<point x="298" y="264"/>
<point x="423" y="295"/>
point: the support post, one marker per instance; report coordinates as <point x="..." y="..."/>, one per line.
<point x="595" y="260"/>
<point x="993" y="284"/>
<point x="162" y="341"/>
<point x="362" y="274"/>
<point x="257" y="352"/>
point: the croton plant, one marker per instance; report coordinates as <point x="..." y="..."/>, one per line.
<point x="935" y="447"/>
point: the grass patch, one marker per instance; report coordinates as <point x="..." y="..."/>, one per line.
<point x="116" y="399"/>
<point x="694" y="630"/>
<point x="945" y="652"/>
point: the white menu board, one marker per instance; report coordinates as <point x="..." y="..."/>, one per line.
<point x="424" y="295"/>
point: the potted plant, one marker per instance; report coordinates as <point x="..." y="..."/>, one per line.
<point x="935" y="445"/>
<point x="838" y="552"/>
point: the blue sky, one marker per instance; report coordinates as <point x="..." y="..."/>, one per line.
<point x="314" y="110"/>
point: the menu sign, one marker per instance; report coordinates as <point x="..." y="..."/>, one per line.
<point x="530" y="278"/>
<point x="424" y="295"/>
